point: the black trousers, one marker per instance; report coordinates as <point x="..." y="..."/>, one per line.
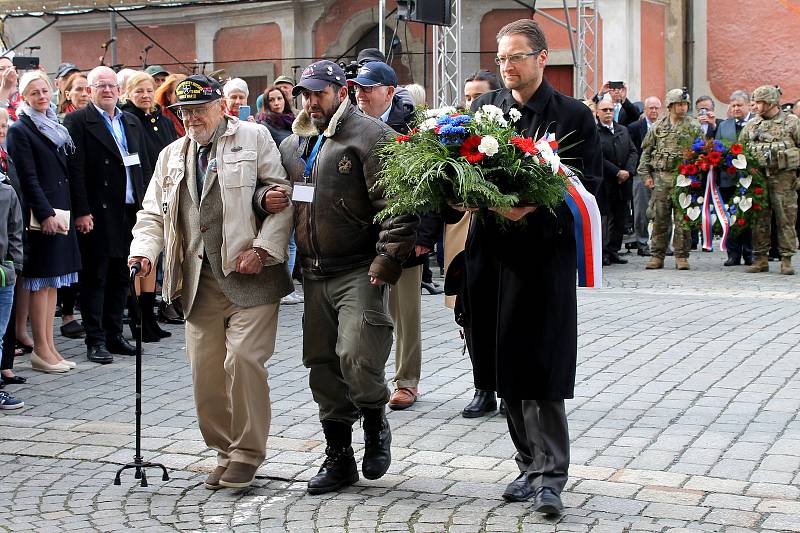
<point x="540" y="433"/>
<point x="67" y="296"/>
<point x="741" y="245"/>
<point x="615" y="222"/>
<point x="104" y="290"/>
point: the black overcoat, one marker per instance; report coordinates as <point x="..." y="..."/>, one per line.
<point x="159" y="131"/>
<point x="45" y="181"/>
<point x="99" y="179"/>
<point x="520" y="295"/>
<point x="619" y="153"/>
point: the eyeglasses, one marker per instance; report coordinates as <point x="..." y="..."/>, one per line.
<point x="609" y="110"/>
<point x="515" y="58"/>
<point x="104" y="86"/>
<point x="192" y="111"/>
<point x="363" y="89"/>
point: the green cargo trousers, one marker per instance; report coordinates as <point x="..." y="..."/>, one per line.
<point x="783" y="202"/>
<point x="347" y="337"/>
<point x="661" y="205"/>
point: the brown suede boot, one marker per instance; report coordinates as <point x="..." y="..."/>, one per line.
<point x="682" y="263"/>
<point x="786" y="265"/>
<point x="655" y="263"/>
<point x="238" y="475"/>
<point x="761" y="264"/>
<point x="212" y="481"/>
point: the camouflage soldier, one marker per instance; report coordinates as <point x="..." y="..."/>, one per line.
<point x="661" y="152"/>
<point x="774" y="138"/>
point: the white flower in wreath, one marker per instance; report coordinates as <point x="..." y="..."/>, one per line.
<point x="546" y="151"/>
<point x="489" y="145"/>
<point x="440" y="112"/>
<point x="514" y="114"/>
<point x="428" y="124"/>
<point x="736" y="199"/>
<point x="740" y="162"/>
<point x="683" y="181"/>
<point x="490" y="113"/>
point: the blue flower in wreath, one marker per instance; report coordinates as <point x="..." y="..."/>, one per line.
<point x="718" y="146"/>
<point x="698" y="144"/>
<point x="451" y="128"/>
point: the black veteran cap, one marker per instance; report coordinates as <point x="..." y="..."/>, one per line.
<point x="197" y="89"/>
<point x="319" y="75"/>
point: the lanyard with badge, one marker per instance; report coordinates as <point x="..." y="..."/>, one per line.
<point x="305" y="192"/>
<point x="128" y="159"/>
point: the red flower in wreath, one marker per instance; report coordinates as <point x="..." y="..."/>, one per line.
<point x="736" y="148"/>
<point x="757" y="207"/>
<point x="681" y="168"/>
<point x="402" y="138"/>
<point x="740" y="222"/>
<point x="695" y="185"/>
<point x="469" y="149"/>
<point x="758" y="190"/>
<point x="691" y="169"/>
<point x="714" y="158"/>
<point x="703" y="164"/>
<point x="731" y="170"/>
<point x="525" y="144"/>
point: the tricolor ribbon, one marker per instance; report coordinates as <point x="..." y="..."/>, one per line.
<point x="713" y="199"/>
<point x="585" y="214"/>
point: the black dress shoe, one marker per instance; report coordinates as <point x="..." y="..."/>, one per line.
<point x="547" y="501"/>
<point x="118" y="345"/>
<point x="732" y="261"/>
<point x="73" y="330"/>
<point x="431" y="287"/>
<point x="643" y="251"/>
<point x="502" y="409"/>
<point x="14" y="380"/>
<point x="519" y="490"/>
<point x="670" y="253"/>
<point x="99" y="354"/>
<point x="606" y="261"/>
<point x="617" y="260"/>
<point x="482" y="403"/>
<point x="748" y="260"/>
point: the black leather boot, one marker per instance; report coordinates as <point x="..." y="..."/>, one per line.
<point x="339" y="469"/>
<point x="150" y="328"/>
<point x="377" y="443"/>
<point x="483" y="403"/>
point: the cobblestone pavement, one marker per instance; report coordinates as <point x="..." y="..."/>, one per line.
<point x="685" y="419"/>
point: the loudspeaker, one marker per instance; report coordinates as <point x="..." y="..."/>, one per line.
<point x="435" y="12"/>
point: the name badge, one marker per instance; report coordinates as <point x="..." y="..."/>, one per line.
<point x="130" y="160"/>
<point x="303" y="193"/>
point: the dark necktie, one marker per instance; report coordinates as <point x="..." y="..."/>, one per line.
<point x="202" y="166"/>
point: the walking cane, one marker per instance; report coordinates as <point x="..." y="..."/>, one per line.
<point x="137" y="463"/>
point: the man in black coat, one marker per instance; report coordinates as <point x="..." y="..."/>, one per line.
<point x="520" y="296"/>
<point x="641" y="194"/>
<point x="620" y="159"/>
<point x="108" y="171"/>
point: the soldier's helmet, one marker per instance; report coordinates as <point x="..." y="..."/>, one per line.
<point x="676" y="96"/>
<point x="770" y="94"/>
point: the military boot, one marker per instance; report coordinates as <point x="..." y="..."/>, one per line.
<point x="377" y="443"/>
<point x="761" y="264"/>
<point x="655" y="263"/>
<point x="682" y="263"/>
<point x="339" y="469"/>
<point x="786" y="265"/>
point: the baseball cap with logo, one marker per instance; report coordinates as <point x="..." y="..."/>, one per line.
<point x="197" y="89"/>
<point x="319" y="75"/>
<point x="375" y="73"/>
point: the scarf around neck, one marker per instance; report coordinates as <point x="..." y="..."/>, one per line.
<point x="47" y="123"/>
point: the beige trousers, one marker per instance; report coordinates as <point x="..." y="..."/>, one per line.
<point x="228" y="346"/>
<point x="405" y="306"/>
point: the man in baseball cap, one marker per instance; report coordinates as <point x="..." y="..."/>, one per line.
<point x="63" y="72"/>
<point x="375" y="85"/>
<point x="159" y="74"/>
<point x="317" y="76"/>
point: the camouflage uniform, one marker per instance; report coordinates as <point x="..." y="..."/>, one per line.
<point x="661" y="152"/>
<point x="775" y="142"/>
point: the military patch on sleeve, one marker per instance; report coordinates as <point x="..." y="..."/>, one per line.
<point x="345" y="165"/>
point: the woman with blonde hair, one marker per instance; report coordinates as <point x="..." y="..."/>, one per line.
<point x="165" y="96"/>
<point x="159" y="132"/>
<point x="39" y="144"/>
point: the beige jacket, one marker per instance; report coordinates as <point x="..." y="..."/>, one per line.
<point x="246" y="157"/>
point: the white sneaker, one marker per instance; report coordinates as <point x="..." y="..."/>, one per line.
<point x="292" y="298"/>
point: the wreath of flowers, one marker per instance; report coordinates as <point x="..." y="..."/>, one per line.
<point x="689" y="193"/>
<point x="473" y="159"/>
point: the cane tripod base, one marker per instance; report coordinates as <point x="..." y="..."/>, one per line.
<point x="140" y="471"/>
